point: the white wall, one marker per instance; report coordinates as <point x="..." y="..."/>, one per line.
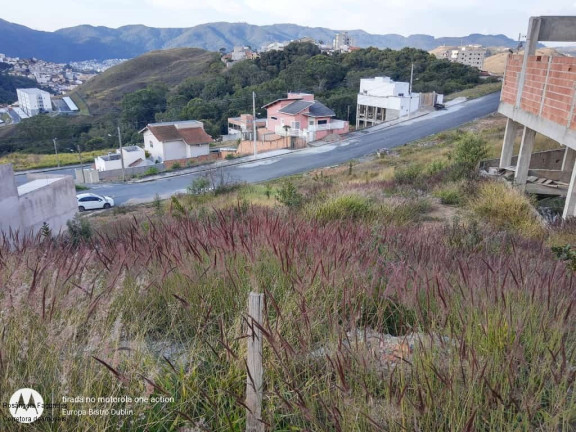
<point x="383" y="87"/>
<point x="174" y="150"/>
<point x="45" y="198"/>
<point x="9" y="209"/>
<point x="195" y="151"/>
<point x="106" y="165"/>
<point x="53" y="201"/>
<point x="153" y="146"/>
<point x="132" y="156"/>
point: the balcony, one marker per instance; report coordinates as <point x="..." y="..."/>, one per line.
<point x="333" y="125"/>
<point x="290" y="132"/>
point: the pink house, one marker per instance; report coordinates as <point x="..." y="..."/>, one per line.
<point x="299" y="115"/>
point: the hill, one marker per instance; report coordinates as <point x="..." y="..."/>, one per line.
<point x="169" y="67"/>
<point x="88" y="42"/>
<point x="496" y="64"/>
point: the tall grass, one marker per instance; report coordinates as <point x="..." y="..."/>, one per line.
<point x="506" y="208"/>
<point x="156" y="307"/>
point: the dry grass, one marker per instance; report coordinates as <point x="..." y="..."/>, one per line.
<point x="155" y="303"/>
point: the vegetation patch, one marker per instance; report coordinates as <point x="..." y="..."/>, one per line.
<point x="506" y="208"/>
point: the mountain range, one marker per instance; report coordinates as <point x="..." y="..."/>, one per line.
<point x="87" y="42"/>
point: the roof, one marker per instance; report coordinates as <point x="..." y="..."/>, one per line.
<point x="194" y="135"/>
<point x="296" y="107"/>
<point x="131" y="148"/>
<point x="36" y="184"/>
<point x="110" y="157"/>
<point x="277" y="100"/>
<point x="319" y="110"/>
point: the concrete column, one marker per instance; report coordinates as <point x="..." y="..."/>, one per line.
<point x="569" y="158"/>
<point x="529" y="50"/>
<point x="524" y="157"/>
<point x="508" y="144"/>
<point x="570" y="206"/>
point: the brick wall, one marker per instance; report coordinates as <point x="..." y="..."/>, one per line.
<point x="247" y="147"/>
<point x="548" y="90"/>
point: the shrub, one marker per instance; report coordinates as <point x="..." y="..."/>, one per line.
<point x="289" y="195"/>
<point x="198" y="186"/>
<point x="230" y="156"/>
<point x="353" y="207"/>
<point x="506" y="208"/>
<point x="151" y="171"/>
<point x="463" y="237"/>
<point x="470" y="150"/>
<point x="79" y="230"/>
<point x="567" y="254"/>
<point x="176" y="166"/>
<point x="408" y="175"/>
<point x="436" y="167"/>
<point x="404" y="211"/>
<point x="449" y="195"/>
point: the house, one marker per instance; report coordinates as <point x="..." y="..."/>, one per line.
<point x="133" y="156"/>
<point x="49" y="199"/>
<point x="381" y="99"/>
<point x="176" y="140"/>
<point x="299" y="115"/>
<point x="243" y="127"/>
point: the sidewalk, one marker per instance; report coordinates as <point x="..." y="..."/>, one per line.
<point x="215" y="165"/>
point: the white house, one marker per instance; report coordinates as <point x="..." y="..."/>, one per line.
<point x="176" y="140"/>
<point x="382" y="99"/>
<point x="33" y="101"/>
<point x="133" y="156"/>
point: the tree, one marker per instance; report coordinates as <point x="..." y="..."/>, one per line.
<point x="140" y="107"/>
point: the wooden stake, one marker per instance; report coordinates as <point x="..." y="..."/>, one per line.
<point x="254" y="363"/>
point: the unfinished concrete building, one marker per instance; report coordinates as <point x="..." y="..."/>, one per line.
<point x="49" y="199"/>
<point x="538" y="96"/>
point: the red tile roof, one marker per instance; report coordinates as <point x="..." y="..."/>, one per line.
<point x="191" y="136"/>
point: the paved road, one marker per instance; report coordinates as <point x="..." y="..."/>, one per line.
<point x="358" y="145"/>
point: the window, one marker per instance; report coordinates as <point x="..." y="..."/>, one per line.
<point x="274" y="118"/>
<point x="322" y="122"/>
<point x="151" y="144"/>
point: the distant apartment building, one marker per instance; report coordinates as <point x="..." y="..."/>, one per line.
<point x="470" y="55"/>
<point x="34" y="101"/>
<point x="342" y="41"/>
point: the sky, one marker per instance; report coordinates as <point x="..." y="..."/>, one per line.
<point x="434" y="17"/>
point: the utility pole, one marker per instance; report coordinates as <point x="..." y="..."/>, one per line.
<point x="410" y="90"/>
<point x="254" y="120"/>
<point x="81" y="164"/>
<point x="56" y="152"/>
<point x="121" y="155"/>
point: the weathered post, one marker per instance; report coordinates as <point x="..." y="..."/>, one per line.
<point x="254" y="362"/>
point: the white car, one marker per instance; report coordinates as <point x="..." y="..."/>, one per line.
<point x="89" y="201"/>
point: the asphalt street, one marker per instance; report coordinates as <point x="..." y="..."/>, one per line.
<point x="358" y="144"/>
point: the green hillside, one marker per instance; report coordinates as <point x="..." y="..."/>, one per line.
<point x="169" y="67"/>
